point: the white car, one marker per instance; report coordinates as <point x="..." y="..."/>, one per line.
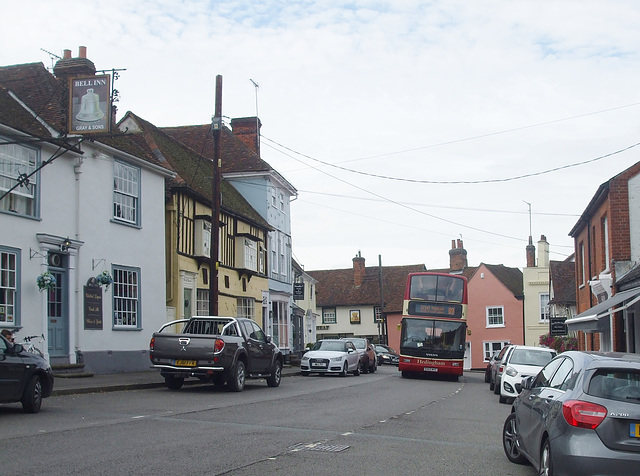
<point x="522" y="361"/>
<point x="331" y="356"/>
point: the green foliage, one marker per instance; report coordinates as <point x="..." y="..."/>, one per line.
<point x="559" y="343"/>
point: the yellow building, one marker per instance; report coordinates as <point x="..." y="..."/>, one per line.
<point x="242" y="237"/>
<point x="536" y="292"/>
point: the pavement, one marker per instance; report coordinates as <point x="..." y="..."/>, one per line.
<point x="68" y="385"/>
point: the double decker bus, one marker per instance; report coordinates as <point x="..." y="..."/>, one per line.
<point x="434" y="324"/>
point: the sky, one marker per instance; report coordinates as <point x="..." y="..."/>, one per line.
<point x="402" y="124"/>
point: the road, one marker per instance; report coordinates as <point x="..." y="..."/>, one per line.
<point x="373" y="424"/>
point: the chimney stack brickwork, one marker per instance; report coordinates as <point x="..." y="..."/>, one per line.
<point x="247" y="129"/>
<point x="457" y="256"/>
<point x="359" y="270"/>
<point x="80" y="66"/>
<point x="531" y="254"/>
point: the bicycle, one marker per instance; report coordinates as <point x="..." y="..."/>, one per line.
<point x="30" y="346"/>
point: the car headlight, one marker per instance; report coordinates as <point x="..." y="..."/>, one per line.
<point x="511" y="372"/>
<point x="336" y="359"/>
<point x="305" y="358"/>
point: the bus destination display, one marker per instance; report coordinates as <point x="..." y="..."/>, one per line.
<point x="417" y="308"/>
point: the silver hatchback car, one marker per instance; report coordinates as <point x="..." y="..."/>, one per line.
<point x="579" y="415"/>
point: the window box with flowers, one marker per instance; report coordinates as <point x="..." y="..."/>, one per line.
<point x="46" y="281"/>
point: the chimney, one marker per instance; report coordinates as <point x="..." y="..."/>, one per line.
<point x="457" y="257"/>
<point x="68" y="66"/>
<point x="531" y="254"/>
<point x="247" y="129"/>
<point x="543" y="252"/>
<point x="358" y="270"/>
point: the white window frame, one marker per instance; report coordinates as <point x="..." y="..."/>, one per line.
<point x="490" y="347"/>
<point x="543" y="300"/>
<point x="489" y="310"/>
<point x="126" y="298"/>
<point x="329" y="316"/>
<point x="17" y="162"/>
<point x="126" y="193"/>
<point x="9" y="291"/>
<point x="202" y="302"/>
<point x="250" y="254"/>
<point x="246" y="307"/>
<point x="605" y="233"/>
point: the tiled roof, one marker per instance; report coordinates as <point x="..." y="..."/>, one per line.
<point x="193" y="171"/>
<point x="17" y="117"/>
<point x="563" y="280"/>
<point x="336" y="286"/>
<point x="510" y="277"/>
<point x="39" y="90"/>
<point x="235" y="155"/>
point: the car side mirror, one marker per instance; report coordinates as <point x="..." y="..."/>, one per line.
<point x="17" y="348"/>
<point x="524" y="385"/>
<point x="268" y="339"/>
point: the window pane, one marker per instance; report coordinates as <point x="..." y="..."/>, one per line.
<point x="125" y="297"/>
<point x="126" y="189"/>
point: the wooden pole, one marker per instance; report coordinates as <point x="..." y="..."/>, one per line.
<point x="215" y="201"/>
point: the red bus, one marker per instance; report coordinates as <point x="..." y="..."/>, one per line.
<point x="434" y="324"/>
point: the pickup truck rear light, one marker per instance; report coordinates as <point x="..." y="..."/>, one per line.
<point x="583" y="414"/>
<point x="218" y="345"/>
<point x="151" y="346"/>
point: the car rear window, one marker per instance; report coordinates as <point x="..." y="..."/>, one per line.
<point x="615" y="384"/>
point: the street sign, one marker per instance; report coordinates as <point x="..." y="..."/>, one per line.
<point x="298" y="291"/>
<point x="557" y="327"/>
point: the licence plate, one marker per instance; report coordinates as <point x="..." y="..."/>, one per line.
<point x="318" y="364"/>
<point x="429" y="369"/>
<point x="186" y="363"/>
<point x="634" y="431"/>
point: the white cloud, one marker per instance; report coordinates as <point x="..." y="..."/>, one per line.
<point x="438" y="90"/>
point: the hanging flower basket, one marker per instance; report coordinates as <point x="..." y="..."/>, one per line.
<point x="104" y="279"/>
<point x="46" y="281"/>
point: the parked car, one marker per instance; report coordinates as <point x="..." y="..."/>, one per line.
<point x="487" y="372"/>
<point x="521" y="362"/>
<point x="579" y="415"/>
<point x="368" y="360"/>
<point x="386" y="355"/>
<point x="497" y="369"/>
<point x="25" y="377"/>
<point x="331" y="356"/>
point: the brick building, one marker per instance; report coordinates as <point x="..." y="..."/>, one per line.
<point x="607" y="257"/>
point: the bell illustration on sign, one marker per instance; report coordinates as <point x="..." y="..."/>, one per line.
<point x="90" y="107"/>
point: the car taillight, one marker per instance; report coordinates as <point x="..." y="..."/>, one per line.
<point x="583" y="414"/>
<point x="501" y="369"/>
<point x="152" y="343"/>
<point x="218" y="345"/>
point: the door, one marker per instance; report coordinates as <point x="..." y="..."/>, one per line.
<point x="12" y="371"/>
<point x="57" y="315"/>
<point x="467" y="356"/>
<point x="260" y="351"/>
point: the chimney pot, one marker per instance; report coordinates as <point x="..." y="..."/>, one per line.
<point x="359" y="270"/>
<point x="66" y="54"/>
<point x="82" y="52"/>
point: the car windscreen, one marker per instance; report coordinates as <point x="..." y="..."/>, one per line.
<point x="331" y="346"/>
<point x="538" y="358"/>
<point x="616" y="384"/>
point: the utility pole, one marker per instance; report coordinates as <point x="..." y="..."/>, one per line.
<point x="216" y="125"/>
<point x="383" y="320"/>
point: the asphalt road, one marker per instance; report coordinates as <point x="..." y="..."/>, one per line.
<point x="376" y="424"/>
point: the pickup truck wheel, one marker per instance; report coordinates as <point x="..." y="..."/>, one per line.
<point x="273" y="380"/>
<point x="173" y="383"/>
<point x="32" y="398"/>
<point x="238" y="376"/>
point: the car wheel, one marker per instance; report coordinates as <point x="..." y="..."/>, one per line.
<point x="304" y="373"/>
<point x="173" y="383"/>
<point x="487" y="377"/>
<point x="238" y="376"/>
<point x="546" y="461"/>
<point x="509" y="440"/>
<point x="32" y="397"/>
<point x="273" y="380"/>
<point x="356" y="372"/>
<point x="491" y="384"/>
<point x="345" y="369"/>
<point x="496" y="388"/>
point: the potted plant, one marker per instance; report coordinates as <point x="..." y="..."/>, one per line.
<point x="104" y="279"/>
<point x="46" y="281"/>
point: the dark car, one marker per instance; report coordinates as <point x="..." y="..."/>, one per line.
<point x="368" y="361"/>
<point x="487" y="372"/>
<point x="579" y="415"/>
<point x="497" y="368"/>
<point x="24" y="376"/>
<point x="386" y="355"/>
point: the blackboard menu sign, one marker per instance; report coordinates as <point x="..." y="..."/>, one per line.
<point x="93" y="307"/>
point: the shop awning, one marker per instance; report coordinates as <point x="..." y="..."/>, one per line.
<point x="587" y="321"/>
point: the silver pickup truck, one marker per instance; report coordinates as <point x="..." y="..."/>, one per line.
<point x="215" y="349"/>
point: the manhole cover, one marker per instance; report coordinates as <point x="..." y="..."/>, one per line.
<point x="318" y="446"/>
